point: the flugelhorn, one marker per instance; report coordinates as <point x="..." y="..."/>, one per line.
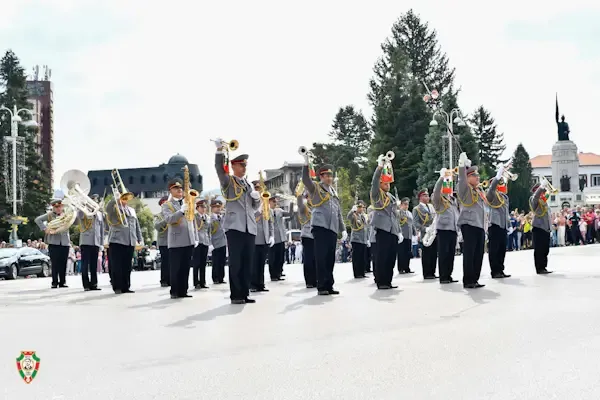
<point x="548" y="186"/>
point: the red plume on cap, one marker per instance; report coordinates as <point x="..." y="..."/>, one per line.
<point x="502" y="188"/>
<point x="226" y="168"/>
<point x="387" y="176"/>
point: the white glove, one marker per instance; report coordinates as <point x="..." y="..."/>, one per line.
<point x="380" y="160"/>
<point x="443" y="172"/>
<point x="219" y="143"/>
<point x="184" y="207"/>
<point x="344" y="235"/>
<point x="295" y="207"/>
<point x="353" y="208"/>
<point x="255" y="195"/>
<point x="196" y="243"/>
<point x="400" y="237"/>
<point x="462" y="160"/>
<point x="500" y="172"/>
<point x="369" y="243"/>
<point x="271" y="241"/>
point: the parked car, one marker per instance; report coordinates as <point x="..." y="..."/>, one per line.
<point x="148" y="259"/>
<point x="23" y="261"/>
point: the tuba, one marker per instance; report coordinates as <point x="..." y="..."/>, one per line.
<point x="119" y="192"/>
<point x="265" y="195"/>
<point x="189" y="195"/>
<point x="76" y="187"/>
<point x="64" y="221"/>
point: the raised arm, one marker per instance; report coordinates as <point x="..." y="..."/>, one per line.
<point x="463" y="189"/>
<point x="535" y="199"/>
<point x="40" y="221"/>
<point x="224" y="178"/>
<point x="308" y="183"/>
<point x="436" y="196"/>
<point x="491" y="192"/>
<point x="170" y="216"/>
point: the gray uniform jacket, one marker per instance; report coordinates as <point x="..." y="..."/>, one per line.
<point x="58" y="239"/>
<point x="217" y="233"/>
<point x="541" y="213"/>
<point x="181" y="232"/>
<point x="325" y="203"/>
<point x="304" y="218"/>
<point x="264" y="228"/>
<point x="240" y="208"/>
<point x="203" y="229"/>
<point x="91" y="230"/>
<point x="279" y="224"/>
<point x="472" y="210"/>
<point x="359" y="226"/>
<point x="126" y="235"/>
<point x="499" y="206"/>
<point x="405" y="218"/>
<point x="372" y="238"/>
<point x="423" y="215"/>
<point x="446" y="208"/>
<point x="162" y="230"/>
<point x="385" y="217"/>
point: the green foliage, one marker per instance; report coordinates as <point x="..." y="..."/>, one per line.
<point x="432" y="159"/>
<point x="74" y="233"/>
<point x="491" y="143"/>
<point x="519" y="191"/>
<point x="38" y="187"/>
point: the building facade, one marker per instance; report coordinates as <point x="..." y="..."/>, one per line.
<point x="42" y="99"/>
<point x="589" y="176"/>
<point x="148" y="184"/>
<point x="283" y="181"/>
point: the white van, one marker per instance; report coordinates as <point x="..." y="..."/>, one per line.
<point x="293" y="235"/>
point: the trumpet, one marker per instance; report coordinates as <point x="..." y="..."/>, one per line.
<point x="305" y="153"/>
<point x="389" y="156"/>
<point x="484" y="184"/>
<point x="120" y="193"/>
<point x="548" y="186"/>
<point x="509" y="176"/>
<point x="232" y="145"/>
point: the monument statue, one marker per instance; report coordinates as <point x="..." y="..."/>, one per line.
<point x="562" y="125"/>
<point x="582" y="183"/>
<point x="565" y="184"/>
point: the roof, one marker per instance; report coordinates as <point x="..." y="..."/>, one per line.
<point x="545" y="160"/>
<point x="178" y="159"/>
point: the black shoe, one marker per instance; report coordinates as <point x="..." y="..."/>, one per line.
<point x="331" y="291"/>
<point x="445" y="281"/>
<point x="164" y="285"/>
<point x="223" y="282"/>
<point x="117" y="291"/>
<point x="54" y="286"/>
<point x="277" y="279"/>
<point x="500" y="275"/>
<point x="324" y="293"/>
<point x="249" y="301"/>
<point x="453" y="280"/>
<point x="475" y="285"/>
<point x="186" y="296"/>
<point x="253" y="290"/>
<point x="402" y="272"/>
<point x="62" y="285"/>
<point x="128" y="291"/>
<point x="263" y="290"/>
<point x="368" y="271"/>
<point x="311" y="286"/>
<point x="478" y="285"/>
<point x="409" y="272"/>
<point x="197" y="286"/>
<point x="95" y="288"/>
<point x="544" y="272"/>
<point x="174" y="297"/>
<point x="238" y="301"/>
<point x="430" y="277"/>
<point x="87" y="289"/>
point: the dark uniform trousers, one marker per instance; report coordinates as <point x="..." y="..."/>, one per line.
<point x="429" y="258"/>
<point x="241" y="250"/>
<point x="325" y="243"/>
<point x="308" y="259"/>
<point x="120" y="265"/>
<point x="359" y="259"/>
<point x="446" y="251"/>
<point x="369" y="257"/>
<point x="497" y="238"/>
<point x="386" y="257"/>
<point x="374" y="257"/>
<point x="89" y="266"/>
<point x="473" y="247"/>
<point x="58" y="257"/>
<point x="276" y="256"/>
<point x="541" y="248"/>
<point x="257" y="280"/>
<point x="404" y="255"/>
<point x="199" y="264"/>
<point x="165" y="270"/>
<point x="180" y="259"/>
<point x="218" y="258"/>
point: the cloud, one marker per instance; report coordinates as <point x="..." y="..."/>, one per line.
<point x="138" y="82"/>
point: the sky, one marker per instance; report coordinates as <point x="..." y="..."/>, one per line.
<point x="137" y="82"/>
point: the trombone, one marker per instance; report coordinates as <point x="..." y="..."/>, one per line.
<point x="120" y="193"/>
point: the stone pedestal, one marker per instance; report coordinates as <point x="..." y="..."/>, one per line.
<point x="565" y="161"/>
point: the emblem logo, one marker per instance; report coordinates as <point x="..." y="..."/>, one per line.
<point x="28" y="364"/>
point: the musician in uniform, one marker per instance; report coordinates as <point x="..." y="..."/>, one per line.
<point x="541" y="227"/>
<point x="58" y="244"/>
<point x="91" y="240"/>
<point x="218" y="241"/>
<point x="471" y="221"/>
<point x="446" y="207"/>
<point x="372" y="240"/>
<point x="386" y="225"/>
<point x="200" y="254"/>
<point x="308" y="242"/>
<point x="239" y="223"/>
<point x="326" y="222"/>
<point x="359" y="237"/>
<point x="182" y="238"/>
<point x="423" y="215"/>
<point x="263" y="242"/>
<point x="277" y="251"/>
<point x="122" y="239"/>
<point x="162" y="230"/>
<point x="499" y="224"/>
<point x="407" y="227"/>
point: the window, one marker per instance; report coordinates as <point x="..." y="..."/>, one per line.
<point x="131" y="180"/>
<point x="595" y="180"/>
<point x="200" y="179"/>
<point x="549" y="178"/>
<point x="105" y="181"/>
<point x="165" y="177"/>
<point x="153" y="179"/>
<point x="94" y="181"/>
<point x="191" y="178"/>
<point x="143" y="179"/>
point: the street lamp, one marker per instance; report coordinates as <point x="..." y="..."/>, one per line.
<point x="15" y="119"/>
<point x="458" y="120"/>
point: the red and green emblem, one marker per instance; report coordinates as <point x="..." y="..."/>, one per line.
<point x="28" y="365"/>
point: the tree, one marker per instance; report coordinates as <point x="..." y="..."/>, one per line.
<point x="432" y="159"/>
<point x="37" y="181"/>
<point x="491" y="143"/>
<point x="519" y="191"/>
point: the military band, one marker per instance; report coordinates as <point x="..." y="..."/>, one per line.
<point x="446" y="208"/>
<point x="199" y="257"/>
<point x="58" y="243"/>
<point x="423" y="216"/>
<point x="218" y="241"/>
<point x="541" y="227"/>
<point x="497" y="199"/>
<point x="263" y="242"/>
<point x="407" y="227"/>
<point x="359" y="237"/>
<point x="91" y="240"/>
<point x="277" y="251"/>
<point x="162" y="231"/>
<point x="308" y="242"/>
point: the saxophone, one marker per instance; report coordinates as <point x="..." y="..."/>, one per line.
<point x="189" y="195"/>
<point x="265" y="195"/>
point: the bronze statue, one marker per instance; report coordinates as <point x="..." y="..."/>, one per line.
<point x="565" y="184"/>
<point x="563" y="127"/>
<point x="582" y="183"/>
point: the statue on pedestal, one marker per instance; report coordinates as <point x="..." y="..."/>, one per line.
<point x="565" y="184"/>
<point x="582" y="183"/>
<point x="562" y="125"/>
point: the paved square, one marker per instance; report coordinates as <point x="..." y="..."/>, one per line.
<point x="527" y="337"/>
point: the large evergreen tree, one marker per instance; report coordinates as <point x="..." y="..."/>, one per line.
<point x="490" y="142"/>
<point x="38" y="188"/>
<point x="519" y="191"/>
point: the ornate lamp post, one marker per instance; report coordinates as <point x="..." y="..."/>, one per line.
<point x="15" y="119"/>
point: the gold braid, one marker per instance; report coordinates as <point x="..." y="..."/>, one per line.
<point x="359" y="226"/>
<point x="86" y="224"/>
<point x="421" y="215"/>
<point x="541" y="204"/>
<point x="238" y="190"/>
<point x="307" y="214"/>
<point x="446" y="204"/>
<point x="500" y="201"/>
<point x="323" y="198"/>
<point x="214" y="227"/>
<point x="386" y="202"/>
